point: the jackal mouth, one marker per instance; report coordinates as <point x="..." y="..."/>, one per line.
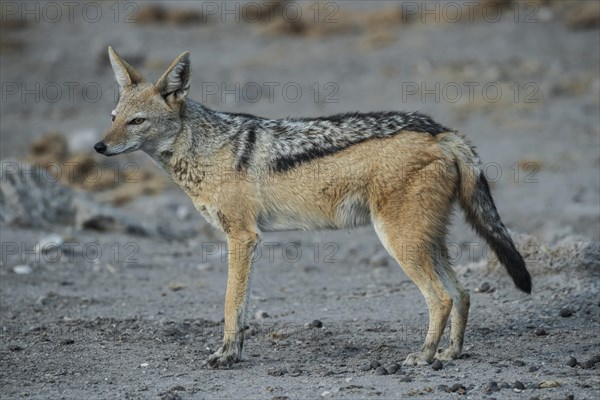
<point x="102" y="148"/>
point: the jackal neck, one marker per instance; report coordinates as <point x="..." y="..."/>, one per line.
<point x="193" y="150"/>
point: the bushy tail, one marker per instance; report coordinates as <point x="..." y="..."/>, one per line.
<point x="476" y="201"/>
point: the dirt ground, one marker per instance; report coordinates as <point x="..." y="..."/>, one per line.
<point x="130" y="303"/>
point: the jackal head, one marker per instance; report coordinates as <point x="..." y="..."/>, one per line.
<point x="147" y="116"/>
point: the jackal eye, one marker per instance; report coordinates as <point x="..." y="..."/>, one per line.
<point x="137" y="121"/>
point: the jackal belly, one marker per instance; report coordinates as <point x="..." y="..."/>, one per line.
<point x="351" y="212"/>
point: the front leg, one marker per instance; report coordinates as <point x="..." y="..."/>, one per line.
<point x="241" y="247"/>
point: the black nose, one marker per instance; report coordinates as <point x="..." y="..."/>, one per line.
<point x="100" y="147"/>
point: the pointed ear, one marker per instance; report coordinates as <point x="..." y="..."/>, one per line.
<point x="126" y="75"/>
<point x="174" y="84"/>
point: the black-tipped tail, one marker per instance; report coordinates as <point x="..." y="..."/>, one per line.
<point x="482" y="215"/>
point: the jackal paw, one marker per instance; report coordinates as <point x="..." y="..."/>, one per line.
<point x="223" y="358"/>
<point x="448" y="354"/>
<point x="417" y="359"/>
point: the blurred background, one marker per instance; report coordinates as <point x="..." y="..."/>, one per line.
<point x="520" y="78"/>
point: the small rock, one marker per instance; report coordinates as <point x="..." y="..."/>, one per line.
<point x="491" y="387"/>
<point x="175" y="286"/>
<point x="458" y="387"/>
<point x="22" y="269"/>
<point x="49" y="243"/>
<point x="42" y="300"/>
<point x="144" y="365"/>
<point x="315" y="324"/>
<point x="570" y="397"/>
<point x="406" y="379"/>
<point x="443" y="388"/>
<point x="366" y="367"/>
<point x="204" y="267"/>
<point x="437" y="365"/>
<point x="182" y="212"/>
<point x="381" y="371"/>
<point x="261" y="314"/>
<point x="379" y="260"/>
<point x="67" y="342"/>
<point x="533" y="368"/>
<point x="504" y="385"/>
<point x="589" y="364"/>
<point x="375" y="364"/>
<point x="484" y="288"/>
<point x="541" y="332"/>
<point x="572" y="362"/>
<point x="566" y="312"/>
<point x="15" y="347"/>
<point x="518" y="363"/>
<point x="326" y="393"/>
<point x="549" y="384"/>
<point x="276" y="371"/>
<point x="392" y="369"/>
<point x="518" y="385"/>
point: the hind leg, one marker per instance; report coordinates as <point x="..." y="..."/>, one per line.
<point x="410" y="218"/>
<point x="460" y="306"/>
<point x="413" y="252"/>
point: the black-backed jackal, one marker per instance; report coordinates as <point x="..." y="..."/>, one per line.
<point x="402" y="172"/>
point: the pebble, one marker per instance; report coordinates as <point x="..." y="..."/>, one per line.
<point x="572" y="362"/>
<point x="22" y="269"/>
<point x="315" y="324"/>
<point x="443" y="388"/>
<point x="541" y="331"/>
<point x="15" y="347"/>
<point x="484" y="288"/>
<point x="458" y="388"/>
<point x="182" y="212"/>
<point x="276" y="371"/>
<point x="533" y="368"/>
<point x="204" y="267"/>
<point x="566" y="312"/>
<point x="261" y="314"/>
<point x="518" y="363"/>
<point x="437" y="365"/>
<point x="379" y="260"/>
<point x="590" y="363"/>
<point x="375" y="364"/>
<point x="144" y="365"/>
<point x="549" y="384"/>
<point x="366" y="367"/>
<point x="406" y="379"/>
<point x="392" y="369"/>
<point x="67" y="342"/>
<point x="49" y="243"/>
<point x="175" y="286"/>
<point x="381" y="371"/>
<point x="491" y="387"/>
<point x="518" y="385"/>
<point x="504" y="385"/>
